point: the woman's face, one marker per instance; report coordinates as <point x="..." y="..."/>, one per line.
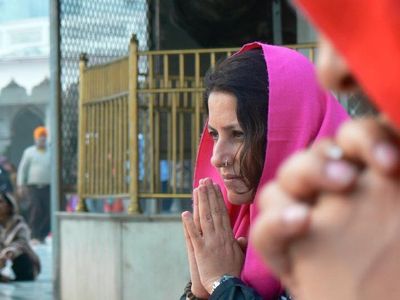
<point x="4" y="209"/>
<point x="228" y="137"/>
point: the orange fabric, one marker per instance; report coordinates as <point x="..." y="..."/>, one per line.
<point x="39" y="131"/>
<point x="367" y="35"/>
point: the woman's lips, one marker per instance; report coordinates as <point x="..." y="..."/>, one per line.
<point x="231" y="181"/>
<point x="230" y="177"/>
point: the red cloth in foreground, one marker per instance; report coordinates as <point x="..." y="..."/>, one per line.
<point x="367" y="35"/>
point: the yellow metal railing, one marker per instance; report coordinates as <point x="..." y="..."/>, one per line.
<point x="139" y="127"/>
<point x="103" y="130"/>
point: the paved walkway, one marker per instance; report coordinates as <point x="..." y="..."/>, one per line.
<point x="41" y="289"/>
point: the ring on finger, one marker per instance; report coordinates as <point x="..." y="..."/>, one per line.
<point x="334" y="152"/>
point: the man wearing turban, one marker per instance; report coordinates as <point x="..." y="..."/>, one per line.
<point x="33" y="181"/>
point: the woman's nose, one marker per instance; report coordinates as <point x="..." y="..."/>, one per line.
<point x="222" y="152"/>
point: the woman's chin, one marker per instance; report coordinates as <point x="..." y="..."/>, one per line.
<point x="237" y="198"/>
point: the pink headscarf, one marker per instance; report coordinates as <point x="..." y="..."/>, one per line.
<point x="299" y="112"/>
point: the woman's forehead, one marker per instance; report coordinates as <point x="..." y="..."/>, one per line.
<point x="222" y="109"/>
<point x="221" y="99"/>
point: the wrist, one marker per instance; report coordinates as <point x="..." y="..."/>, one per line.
<point x="193" y="294"/>
<point x="199" y="291"/>
<point x="208" y="285"/>
<point x="217" y="282"/>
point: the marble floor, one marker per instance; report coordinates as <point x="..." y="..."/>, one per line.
<point x="41" y="289"/>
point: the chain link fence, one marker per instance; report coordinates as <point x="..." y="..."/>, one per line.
<point x="101" y="29"/>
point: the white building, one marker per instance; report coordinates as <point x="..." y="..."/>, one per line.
<point x="24" y="73"/>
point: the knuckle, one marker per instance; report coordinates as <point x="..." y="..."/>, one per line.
<point x="208" y="217"/>
<point x="217" y="212"/>
<point x="354" y="128"/>
<point x="296" y="173"/>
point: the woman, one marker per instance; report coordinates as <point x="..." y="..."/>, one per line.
<point x="263" y="103"/>
<point x="14" y="242"/>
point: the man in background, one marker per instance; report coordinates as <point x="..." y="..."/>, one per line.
<point x="33" y="182"/>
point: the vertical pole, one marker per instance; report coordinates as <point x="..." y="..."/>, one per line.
<point x="103" y="157"/>
<point x="81" y="135"/>
<point x="156" y="31"/>
<point x="157" y="147"/>
<point x="277" y="21"/>
<point x="55" y="120"/>
<point x="198" y="101"/>
<point x="125" y="141"/>
<point x="312" y="54"/>
<point x="96" y="144"/>
<point x="181" y="119"/>
<point x="151" y="126"/>
<point x="212" y="60"/>
<point x="174" y="139"/>
<point x="133" y="128"/>
<point x="90" y="186"/>
<point x="120" y="148"/>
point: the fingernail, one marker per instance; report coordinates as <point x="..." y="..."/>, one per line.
<point x="386" y="155"/>
<point x="340" y="172"/>
<point x="295" y="214"/>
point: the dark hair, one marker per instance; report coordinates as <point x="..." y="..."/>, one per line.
<point x="5" y="197"/>
<point x="245" y="76"/>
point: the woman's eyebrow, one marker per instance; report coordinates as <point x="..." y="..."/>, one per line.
<point x="210" y="127"/>
<point x="226" y="127"/>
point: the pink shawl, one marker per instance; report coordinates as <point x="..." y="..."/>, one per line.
<point x="299" y="113"/>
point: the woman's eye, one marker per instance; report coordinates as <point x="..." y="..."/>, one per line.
<point x="214" y="135"/>
<point x="238" y="134"/>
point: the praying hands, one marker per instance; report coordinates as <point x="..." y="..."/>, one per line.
<point x="331" y="230"/>
<point x="212" y="248"/>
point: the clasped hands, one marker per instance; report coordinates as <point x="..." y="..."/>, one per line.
<point x="329" y="223"/>
<point x="212" y="248"/>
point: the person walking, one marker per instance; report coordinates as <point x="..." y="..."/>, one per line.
<point x="33" y="182"/>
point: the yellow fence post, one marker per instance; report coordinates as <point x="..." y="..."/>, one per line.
<point x="133" y="126"/>
<point x="81" y="207"/>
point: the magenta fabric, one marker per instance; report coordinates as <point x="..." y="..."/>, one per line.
<point x="299" y="112"/>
